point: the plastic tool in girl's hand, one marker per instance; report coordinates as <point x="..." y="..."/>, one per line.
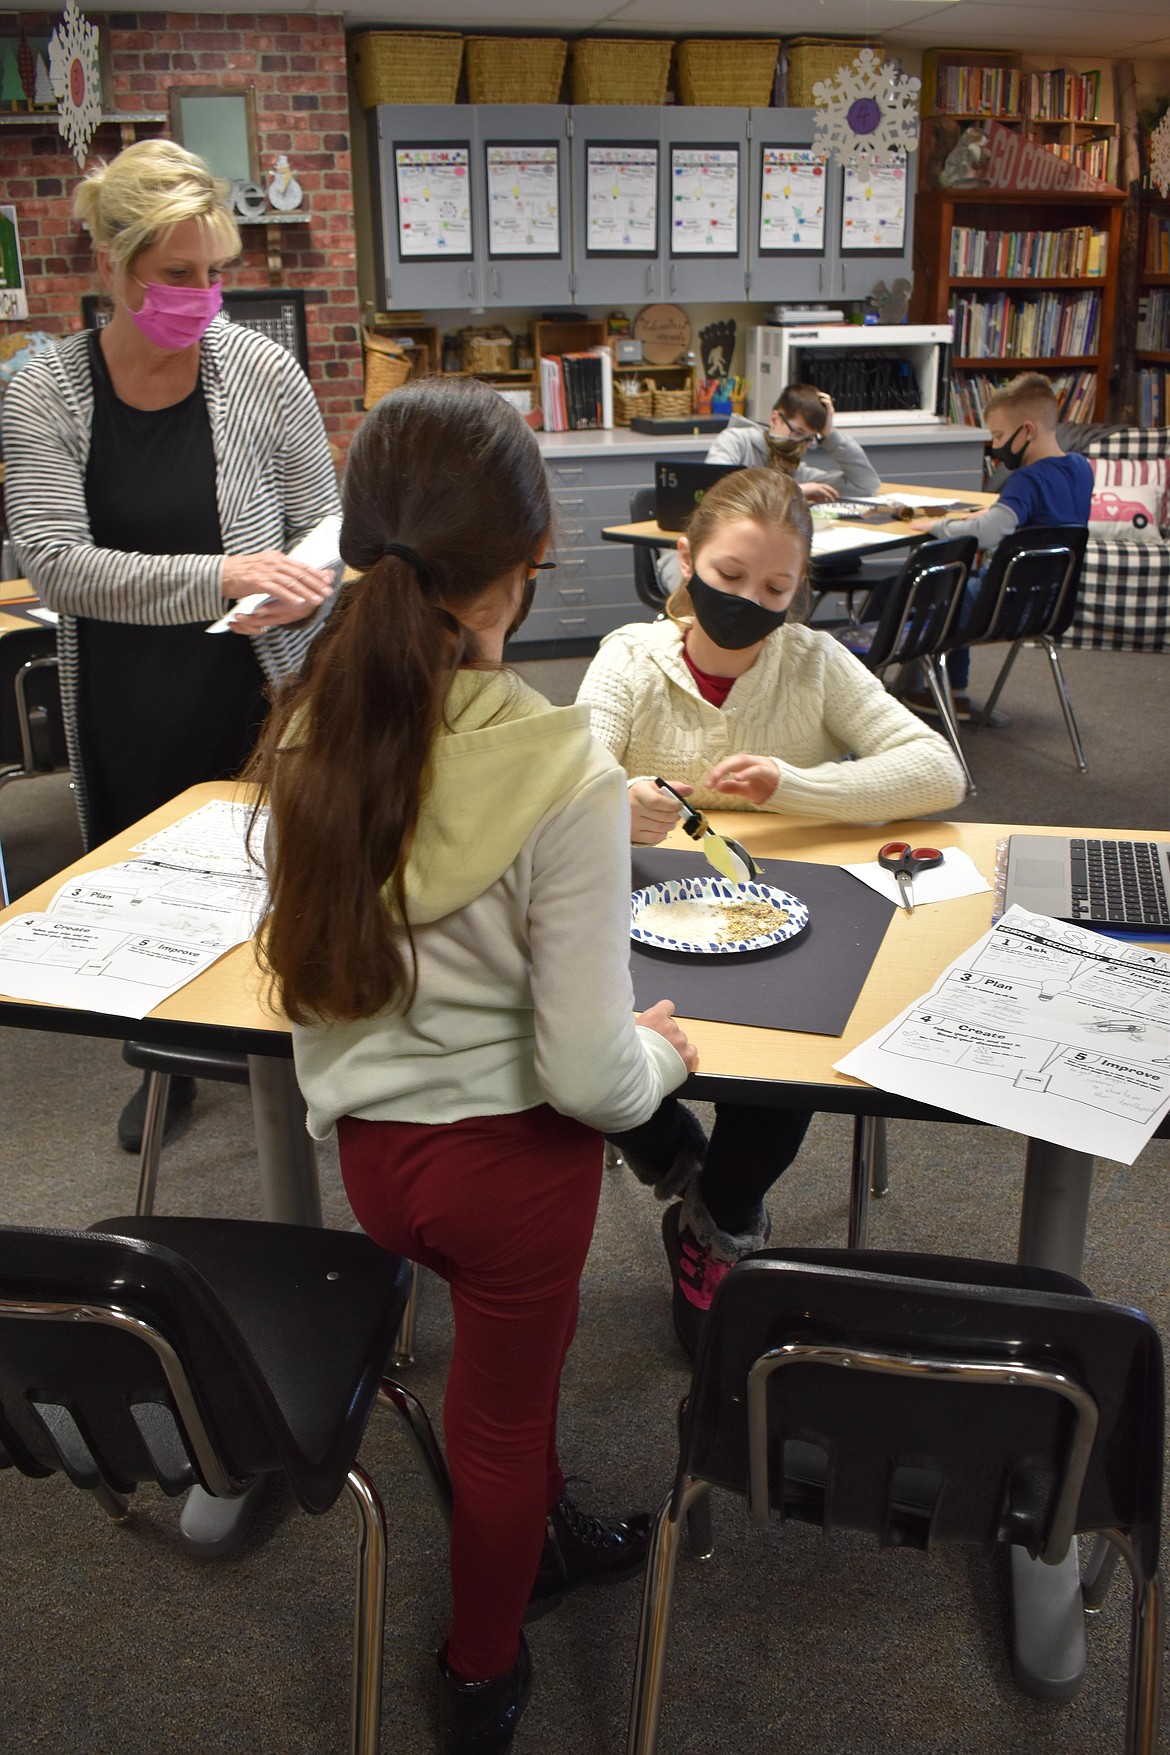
<point x="905" y="862"/>
<point x="730" y="860"/>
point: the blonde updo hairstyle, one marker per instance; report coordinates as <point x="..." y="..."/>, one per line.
<point x="766" y="497"/>
<point x="142" y="194"/>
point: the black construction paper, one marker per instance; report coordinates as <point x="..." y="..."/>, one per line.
<point x="810" y="983"/>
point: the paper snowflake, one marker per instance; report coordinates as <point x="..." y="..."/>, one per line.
<point x="1160" y="155"/>
<point x="867" y="115"/>
<point x="76" y="79"/>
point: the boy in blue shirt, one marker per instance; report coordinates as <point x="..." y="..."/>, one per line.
<point x="1045" y="486"/>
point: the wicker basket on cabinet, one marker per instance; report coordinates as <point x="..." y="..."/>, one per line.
<point x="388" y="367"/>
<point x="626" y="407"/>
<point x="620" y="70"/>
<point x="672" y="404"/>
<point x="809" y="59"/>
<point x="727" y="70"/>
<point x="515" y="70"/>
<point x="406" y="67"/>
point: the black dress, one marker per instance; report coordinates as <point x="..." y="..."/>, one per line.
<point x="158" y="708"/>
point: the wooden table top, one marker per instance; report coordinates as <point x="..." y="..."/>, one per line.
<point x="648" y="534"/>
<point x="18" y="592"/>
<point x="227" y="1003"/>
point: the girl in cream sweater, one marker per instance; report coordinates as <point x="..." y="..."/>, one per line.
<point x="738" y="705"/>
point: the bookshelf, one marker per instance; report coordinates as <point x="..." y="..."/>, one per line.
<point x="1069" y="108"/>
<point x="1153" y="329"/>
<point x="1028" y="315"/>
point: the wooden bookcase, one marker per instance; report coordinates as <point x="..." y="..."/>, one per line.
<point x="940" y="291"/>
<point x="1067" y="105"/>
<point x="1153" y="339"/>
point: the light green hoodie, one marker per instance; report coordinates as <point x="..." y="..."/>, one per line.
<point x="517" y="887"/>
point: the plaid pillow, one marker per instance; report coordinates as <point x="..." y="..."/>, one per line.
<point x="1123" y="604"/>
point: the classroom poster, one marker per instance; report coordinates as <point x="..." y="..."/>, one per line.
<point x="523" y="200"/>
<point x="873" y="213"/>
<point x="434" y="200"/>
<point x="621" y="199"/>
<point x="13" y="297"/>
<point x="704" y="200"/>
<point x="792" y="200"/>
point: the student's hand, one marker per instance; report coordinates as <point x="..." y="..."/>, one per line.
<point x="296" y="590"/>
<point x="818" y="492"/>
<point x="745" y="776"/>
<point x="660" y="1017"/>
<point x="653" y="814"/>
<point x="826" y="402"/>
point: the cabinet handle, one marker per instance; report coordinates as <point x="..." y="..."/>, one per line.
<point x="672" y="277"/>
<point x="572" y="593"/>
<point x="495" y="283"/>
<point x="572" y="532"/>
<point x="567" y="562"/>
<point x="566" y="473"/>
<point x="821" y="275"/>
<point x="572" y="502"/>
<point x="574" y="621"/>
<point x="470" y="274"/>
<point x="649" y="278"/>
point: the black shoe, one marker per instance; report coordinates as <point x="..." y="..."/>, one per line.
<point x="579" y="1548"/>
<point x="133" y="1118"/>
<point x="480" y="1718"/>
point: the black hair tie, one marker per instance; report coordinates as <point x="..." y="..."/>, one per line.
<point x="402" y="551"/>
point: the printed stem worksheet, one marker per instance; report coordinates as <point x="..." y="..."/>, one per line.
<point x="1045" y="1028"/>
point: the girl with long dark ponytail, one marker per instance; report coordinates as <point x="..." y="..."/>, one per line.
<point x="449" y="864"/>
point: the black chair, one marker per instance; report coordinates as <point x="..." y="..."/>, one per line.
<point x="647" y="584"/>
<point x="917" y="622"/>
<point x="211" y="1351"/>
<point x="32" y="730"/>
<point x="923" y="1400"/>
<point x="1029" y="592"/>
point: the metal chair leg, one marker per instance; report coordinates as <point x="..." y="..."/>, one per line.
<point x="939" y="684"/>
<point x="654" y="1626"/>
<point x="1074" y="735"/>
<point x="1143" y="1706"/>
<point x="369" y="1613"/>
<point x="879" y="1175"/>
<point x="422" y="1436"/>
<point x="404" y="1339"/>
<point x="861" y="1172"/>
<point x="158" y="1087"/>
<point x="700" y="1534"/>
<point x="1097" y="1573"/>
<point x="1004" y="672"/>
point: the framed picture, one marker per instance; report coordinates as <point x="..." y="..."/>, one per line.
<point x="24" y="62"/>
<point x="218" y="122"/>
<point x="13" y="297"/>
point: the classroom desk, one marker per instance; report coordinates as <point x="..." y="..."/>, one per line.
<point x="226" y="1006"/>
<point x="865" y="538"/>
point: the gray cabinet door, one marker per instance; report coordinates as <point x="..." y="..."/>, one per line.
<point x="521" y="158"/>
<point x="617" y="156"/>
<point x="427" y="252"/>
<point x="788" y="276"/>
<point x="701" y="143"/>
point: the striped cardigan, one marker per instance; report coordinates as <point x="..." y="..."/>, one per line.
<point x="275" y="480"/>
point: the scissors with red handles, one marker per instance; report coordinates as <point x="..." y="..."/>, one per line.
<point x="906" y="862"/>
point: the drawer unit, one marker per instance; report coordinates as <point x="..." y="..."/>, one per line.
<point x="608" y="560"/>
<point x="587" y="623"/>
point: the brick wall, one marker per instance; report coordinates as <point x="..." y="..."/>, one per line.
<point x="296" y="62"/>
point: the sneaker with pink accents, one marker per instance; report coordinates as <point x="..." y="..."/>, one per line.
<point x="696" y="1273"/>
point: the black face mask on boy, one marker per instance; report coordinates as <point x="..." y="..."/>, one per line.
<point x="732" y="622"/>
<point x="1011" y="459"/>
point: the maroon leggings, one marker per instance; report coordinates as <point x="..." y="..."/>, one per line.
<point x="503" y="1208"/>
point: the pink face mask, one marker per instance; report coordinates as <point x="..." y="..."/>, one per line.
<point x="176" y="316"/>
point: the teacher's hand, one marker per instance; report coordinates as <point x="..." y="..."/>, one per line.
<point x="745" y="776"/>
<point x="295" y="590"/>
<point x="653" y="814"/>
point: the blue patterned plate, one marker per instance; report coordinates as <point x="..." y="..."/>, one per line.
<point x="708" y="915"/>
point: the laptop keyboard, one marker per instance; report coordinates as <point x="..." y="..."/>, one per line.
<point x="1118" y="881"/>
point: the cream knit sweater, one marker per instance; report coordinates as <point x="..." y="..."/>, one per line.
<point x="806" y="702"/>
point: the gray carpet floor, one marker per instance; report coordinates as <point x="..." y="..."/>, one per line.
<point x="114" y="1640"/>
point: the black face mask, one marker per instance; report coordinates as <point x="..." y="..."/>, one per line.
<point x="1004" y="453"/>
<point x="732" y="622"/>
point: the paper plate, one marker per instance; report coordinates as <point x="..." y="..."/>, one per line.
<point x="707" y="915"/>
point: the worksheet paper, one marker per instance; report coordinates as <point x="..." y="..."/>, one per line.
<point x="212" y="838"/>
<point x="704" y="200"/>
<point x="792" y="199"/>
<point x="522" y="200"/>
<point x="621" y="199"/>
<point x="434" y="200"/>
<point x="1041" y="1027"/>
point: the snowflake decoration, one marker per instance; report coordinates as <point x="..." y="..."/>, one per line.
<point x="1160" y="155"/>
<point x="867" y="115"/>
<point x="76" y="78"/>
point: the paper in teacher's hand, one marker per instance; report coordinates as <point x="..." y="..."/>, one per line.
<point x="242" y="606"/>
<point x="317" y="549"/>
<point x="958" y="875"/>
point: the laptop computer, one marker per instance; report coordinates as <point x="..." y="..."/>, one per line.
<point x="1091" y="881"/>
<point x="678" y="488"/>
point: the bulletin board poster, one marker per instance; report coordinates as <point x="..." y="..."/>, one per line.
<point x="621" y="198"/>
<point x="13" y="296"/>
<point x="524" y="198"/>
<point x="873" y="214"/>
<point x="434" y="201"/>
<point x="704" y="200"/>
<point x="792" y="202"/>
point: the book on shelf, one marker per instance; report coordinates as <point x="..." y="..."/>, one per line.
<point x="1154" y="396"/>
<point x="1076" y="252"/>
<point x="1026" y="326"/>
<point x="1064" y="96"/>
<point x="978" y="91"/>
<point x="1158" y="244"/>
<point x="1153" y="325"/>
<point x="1076" y="394"/>
<point x="576" y="390"/>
